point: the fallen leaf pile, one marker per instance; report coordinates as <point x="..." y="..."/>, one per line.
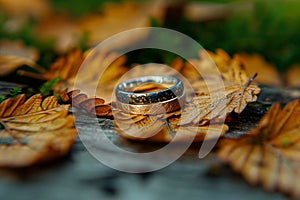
<point x="34" y="131"/>
<point x="239" y="90"/>
<point x="269" y="154"/>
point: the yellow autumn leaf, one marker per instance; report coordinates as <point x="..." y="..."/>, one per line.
<point x="70" y="69"/>
<point x="255" y="63"/>
<point x="238" y="88"/>
<point x="34" y="131"/>
<point x="292" y="76"/>
<point x="163" y="128"/>
<point x="269" y="154"/>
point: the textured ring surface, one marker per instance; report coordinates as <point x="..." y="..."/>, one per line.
<point x="125" y="91"/>
<point x="151" y="109"/>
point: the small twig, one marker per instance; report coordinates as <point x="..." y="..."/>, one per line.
<point x="250" y="80"/>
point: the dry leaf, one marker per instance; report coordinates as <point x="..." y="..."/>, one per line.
<point x="118" y="17"/>
<point x="292" y="76"/>
<point x="269" y="154"/>
<point x="33" y="8"/>
<point x="163" y="128"/>
<point x="114" y="18"/>
<point x="90" y="105"/>
<point x="256" y="64"/>
<point x="88" y="77"/>
<point x="65" y="67"/>
<point x="14" y="54"/>
<point x="211" y="103"/>
<point x="34" y="131"/>
<point x="239" y="90"/>
<point x="62" y="29"/>
<point x="71" y="69"/>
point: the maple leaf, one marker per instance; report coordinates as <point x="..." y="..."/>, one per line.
<point x="239" y="90"/>
<point x="269" y="154"/>
<point x="34" y="131"/>
<point x="14" y="54"/>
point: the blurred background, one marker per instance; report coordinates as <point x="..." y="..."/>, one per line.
<point x="266" y="27"/>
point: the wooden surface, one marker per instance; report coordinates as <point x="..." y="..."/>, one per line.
<point x="81" y="176"/>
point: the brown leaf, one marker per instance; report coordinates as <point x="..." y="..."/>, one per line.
<point x="159" y="128"/>
<point x="162" y="127"/>
<point x="62" y="29"/>
<point x="34" y="8"/>
<point x="113" y="18"/>
<point x="14" y="54"/>
<point x="67" y="68"/>
<point x="118" y="17"/>
<point x="239" y="89"/>
<point x="90" y="105"/>
<point x="292" y="76"/>
<point x="34" y="131"/>
<point x="268" y="74"/>
<point x="269" y="154"/>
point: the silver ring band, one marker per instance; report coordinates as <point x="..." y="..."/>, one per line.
<point x="125" y="91"/>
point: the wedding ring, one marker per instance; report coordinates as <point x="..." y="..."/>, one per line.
<point x="166" y="99"/>
<point x="126" y="91"/>
<point x="151" y="109"/>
